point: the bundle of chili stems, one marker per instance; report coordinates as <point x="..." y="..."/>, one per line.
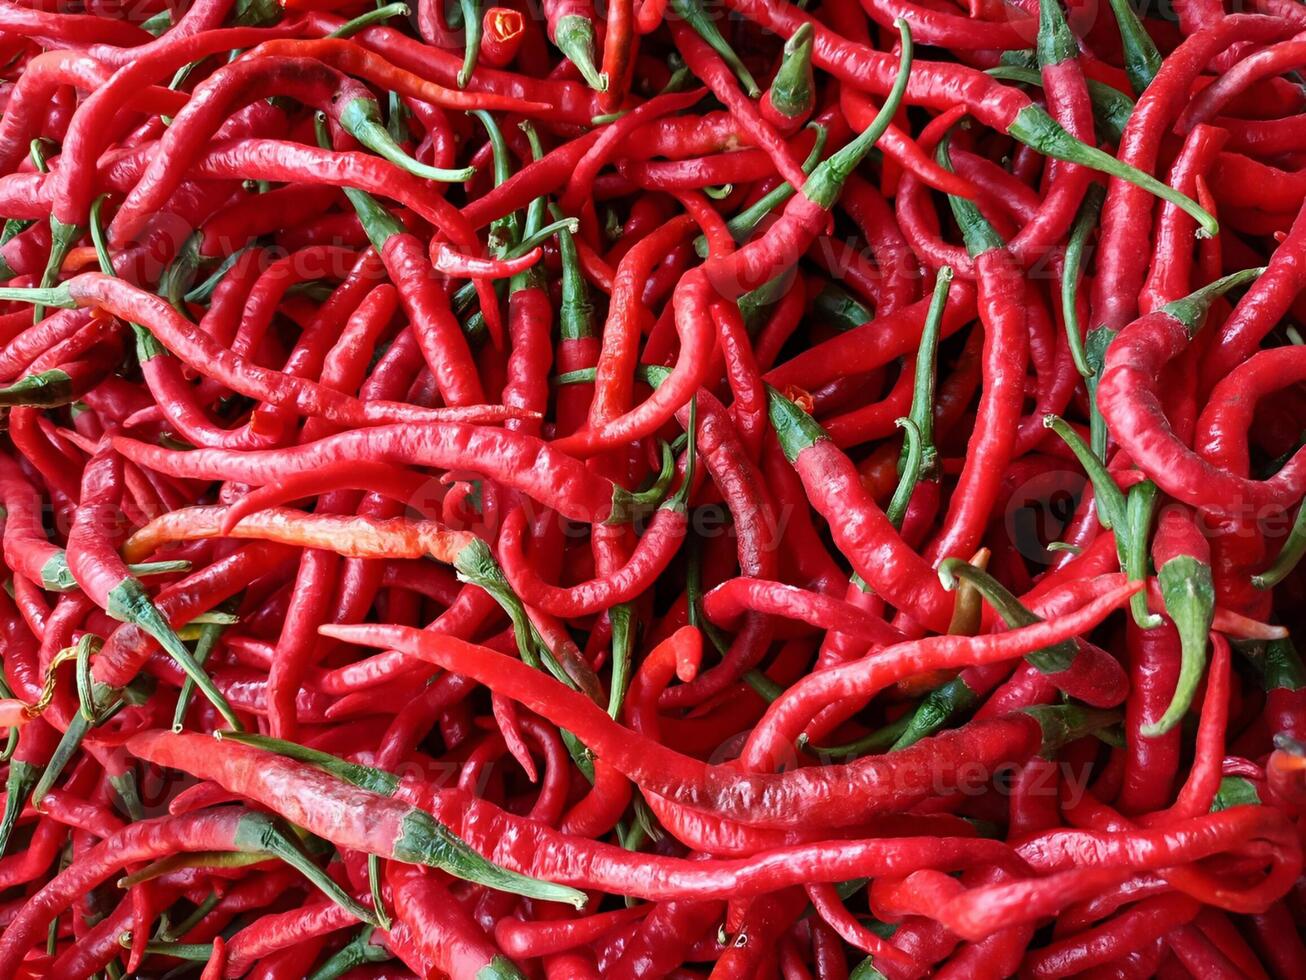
<point x="652" y="489"/>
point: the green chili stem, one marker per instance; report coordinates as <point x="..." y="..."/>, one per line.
<point x="1085" y="222"/>
<point x="1289" y="555"/>
<point x="363" y="21"/>
<point x="693" y="14"/>
<point x="1049" y="660"/>
<point x="1140" y="509"/>
<point x="913" y="454"/>
<point x="922" y="398"/>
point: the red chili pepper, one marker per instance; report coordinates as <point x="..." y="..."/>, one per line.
<point x="1129" y="403"/>
<point x="95" y="566"/>
<point x="442" y="931"/>
<point x="652" y="766"/>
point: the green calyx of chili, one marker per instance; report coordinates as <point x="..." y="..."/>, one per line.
<point x="476" y="565"/>
<point x="754" y="303"/>
<point x="258" y="833"/>
<point x="944" y="703"/>
<point x="1085" y="222"/>
<point x="922" y="397"/>
<point x="742" y="224"/>
<point x="45" y="389"/>
<point x="1188" y="592"/>
<point x="1066" y="723"/>
<point x="1191" y="310"/>
<point x="1050" y="660"/>
<point x="1142" y="60"/>
<point x="158" y="24"/>
<point x="6" y="270"/>
<point x="978" y="234"/>
<point x="256" y="13"/>
<point x="839" y="309"/>
<point x="627" y="504"/>
<point x="1140" y="509"/>
<point x="793" y="90"/>
<point x="693" y="14"/>
<point x="1235" y="791"/>
<point x="795" y="430"/>
<point x="500" y="968"/>
<point x="866" y="970"/>
<point x="1055" y="42"/>
<point x="356" y="953"/>
<point x="361" y="119"/>
<point x="827" y="180"/>
<point x="1111" y="107"/>
<point x="363" y="21"/>
<point x="62" y="238"/>
<point x="130" y="603"/>
<point x="147" y="345"/>
<point x="378" y="223"/>
<point x="20" y="781"/>
<point x="574" y="37"/>
<point x="1289" y="555"/>
<point x="424" y="840"/>
<point x="1281" y="667"/>
<point x="1036" y="129"/>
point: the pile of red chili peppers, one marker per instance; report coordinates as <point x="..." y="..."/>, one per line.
<point x="652" y="489"/>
